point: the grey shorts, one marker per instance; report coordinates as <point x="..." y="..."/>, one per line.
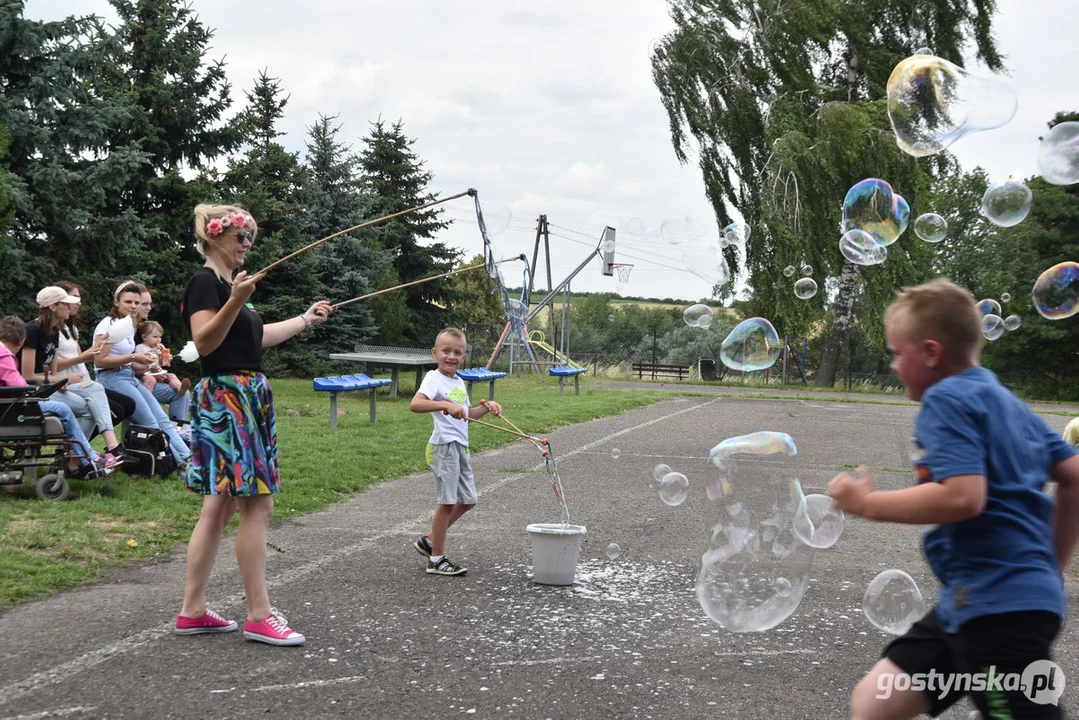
<point x="453" y="474"/>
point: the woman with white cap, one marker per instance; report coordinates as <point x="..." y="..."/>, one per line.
<point x="113" y="364"/>
<point x="39" y="360"/>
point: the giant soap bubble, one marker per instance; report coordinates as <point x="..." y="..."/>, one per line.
<point x="893" y="602"/>
<point x="874" y="207"/>
<point x="708" y="264"/>
<point x="1058" y="154"/>
<point x="679" y="229"/>
<point x="754" y="574"/>
<point x="1056" y="292"/>
<point x="1007" y="203"/>
<point x="753" y="344"/>
<point x="932" y="103"/>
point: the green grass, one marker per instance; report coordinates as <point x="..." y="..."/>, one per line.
<point x="49" y="546"/>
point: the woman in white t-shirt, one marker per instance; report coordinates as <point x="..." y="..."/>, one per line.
<point x="113" y="363"/>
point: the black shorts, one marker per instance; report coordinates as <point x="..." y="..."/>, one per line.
<point x="989" y="645"/>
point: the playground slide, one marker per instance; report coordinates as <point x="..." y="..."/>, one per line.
<point x="554" y="353"/>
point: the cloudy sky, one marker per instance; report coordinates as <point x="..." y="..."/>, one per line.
<point x="550" y="108"/>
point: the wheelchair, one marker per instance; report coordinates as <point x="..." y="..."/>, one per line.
<point x="31" y="440"/>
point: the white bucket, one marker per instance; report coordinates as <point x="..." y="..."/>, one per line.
<point x="555" y="548"/>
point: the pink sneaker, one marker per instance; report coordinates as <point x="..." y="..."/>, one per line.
<point x="273" y="630"/>
<point x="209" y="622"/>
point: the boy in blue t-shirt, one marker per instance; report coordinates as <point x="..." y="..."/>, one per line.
<point x="999" y="546"/>
<point x="443" y="394"/>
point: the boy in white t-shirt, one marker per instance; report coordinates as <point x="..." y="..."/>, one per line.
<point x="443" y="394"/>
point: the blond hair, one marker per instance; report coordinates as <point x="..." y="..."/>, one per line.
<point x="1071" y="433"/>
<point x="452" y="332"/>
<point x="940" y="310"/>
<point x="205" y="212"/>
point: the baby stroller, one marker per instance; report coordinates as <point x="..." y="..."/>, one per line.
<point x="30" y="440"/>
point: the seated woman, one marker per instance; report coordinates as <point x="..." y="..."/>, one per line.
<point x="113" y="363"/>
<point x="176" y="396"/>
<point x="71" y="361"/>
<point x="87" y="463"/>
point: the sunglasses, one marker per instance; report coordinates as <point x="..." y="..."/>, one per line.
<point x="244" y="235"/>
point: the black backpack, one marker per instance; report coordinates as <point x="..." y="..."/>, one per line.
<point x="150" y="445"/>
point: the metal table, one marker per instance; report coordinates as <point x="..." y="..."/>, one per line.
<point x="393" y="357"/>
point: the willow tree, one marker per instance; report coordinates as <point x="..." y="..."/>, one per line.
<point x="780" y="103"/>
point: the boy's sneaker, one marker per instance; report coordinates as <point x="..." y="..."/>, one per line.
<point x="209" y="622"/>
<point x="274" y="630"/>
<point x="445" y="566"/>
<point x="423" y="546"/>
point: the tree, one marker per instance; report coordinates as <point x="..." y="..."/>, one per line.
<point x="475" y="302"/>
<point x="738" y="76"/>
<point x="347" y="265"/>
<point x="274" y="186"/>
<point x="175" y="114"/>
<point x="395" y="178"/>
<point x="63" y="162"/>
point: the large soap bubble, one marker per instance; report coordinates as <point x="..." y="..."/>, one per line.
<point x="496" y="217"/>
<point x="932" y="103"/>
<point x="754" y="574"/>
<point x="753" y="344"/>
<point x="679" y="229"/>
<point x="1056" y="292"/>
<point x="695" y="314"/>
<point x="893" y="602"/>
<point x="708" y="264"/>
<point x="1058" y="154"/>
<point x="818" y="522"/>
<point x="1007" y="203"/>
<point x="736" y="234"/>
<point x="989" y="306"/>
<point x="805" y="288"/>
<point x="861" y="248"/>
<point x="992" y="326"/>
<point x="874" y="207"/>
<point x="1012" y="322"/>
<point x="674" y="488"/>
<point x="931" y="227"/>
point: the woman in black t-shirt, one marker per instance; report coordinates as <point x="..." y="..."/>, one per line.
<point x="233" y="430"/>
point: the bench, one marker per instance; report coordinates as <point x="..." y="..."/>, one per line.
<point x="564" y="372"/>
<point x="679" y="371"/>
<point x="348" y="383"/>
<point x="471" y="375"/>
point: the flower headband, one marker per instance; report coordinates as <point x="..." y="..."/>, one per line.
<point x="237" y="220"/>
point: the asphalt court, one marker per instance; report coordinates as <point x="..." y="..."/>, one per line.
<point x="628" y="639"/>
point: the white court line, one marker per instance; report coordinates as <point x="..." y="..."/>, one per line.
<point x="80" y="710"/>
<point x="84" y="662"/>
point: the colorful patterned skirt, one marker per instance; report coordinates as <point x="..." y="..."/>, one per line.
<point x="233" y="437"/>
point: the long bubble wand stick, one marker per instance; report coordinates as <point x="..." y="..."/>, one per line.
<point x="421" y="280"/>
<point x="272" y="265"/>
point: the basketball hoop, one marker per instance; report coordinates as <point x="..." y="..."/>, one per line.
<point x="623" y="270"/>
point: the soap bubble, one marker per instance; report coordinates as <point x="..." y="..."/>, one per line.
<point x="893" y="602"/>
<point x="674" y="488"/>
<point x="1012" y="322"/>
<point x="608" y="247"/>
<point x="805" y="288"/>
<point x="872" y="206"/>
<point x="1007" y="203"/>
<point x="694" y="314"/>
<point x="517" y="313"/>
<point x="753" y="344"/>
<point x="931" y="227"/>
<point x="807" y="270"/>
<point x="1058" y="154"/>
<point x="718" y="488"/>
<point x="1006" y="297"/>
<point x="677" y="230"/>
<point x="616" y="453"/>
<point x="753" y="575"/>
<point x="496" y="217"/>
<point x="736" y="233"/>
<point x="765" y="442"/>
<point x="992" y="326"/>
<point x="610" y="317"/>
<point x="923" y="51"/>
<point x="708" y="264"/>
<point x="861" y="248"/>
<point x="1056" y="292"/>
<point x="789" y="271"/>
<point x="932" y="103"/>
<point x="818" y="523"/>
<point x="989" y="306"/>
<point x="614" y="550"/>
<point x="659" y="471"/>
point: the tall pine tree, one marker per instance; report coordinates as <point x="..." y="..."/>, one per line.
<point x="396" y="180"/>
